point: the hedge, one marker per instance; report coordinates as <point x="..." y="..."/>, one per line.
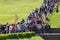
<point x="17" y="35"/>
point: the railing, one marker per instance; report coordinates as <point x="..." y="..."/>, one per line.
<point x="55" y="30"/>
<point x="53" y="35"/>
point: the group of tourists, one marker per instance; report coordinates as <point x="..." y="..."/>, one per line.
<point x="48" y="7"/>
<point x="35" y="20"/>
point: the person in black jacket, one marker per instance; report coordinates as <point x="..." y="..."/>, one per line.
<point x="57" y="9"/>
<point x="47" y="28"/>
<point x="3" y="28"/>
<point x="36" y="29"/>
<point x="22" y="21"/>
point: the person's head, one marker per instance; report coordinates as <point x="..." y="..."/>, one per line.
<point x="33" y="11"/>
<point x="13" y="24"/>
<point x="18" y="23"/>
<point x="7" y="23"/>
<point x="36" y="8"/>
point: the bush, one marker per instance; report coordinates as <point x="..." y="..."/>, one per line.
<point x="26" y="35"/>
<point x="12" y="36"/>
<point x="17" y="35"/>
<point x="2" y="36"/>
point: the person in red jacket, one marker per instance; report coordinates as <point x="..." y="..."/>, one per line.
<point x="13" y="28"/>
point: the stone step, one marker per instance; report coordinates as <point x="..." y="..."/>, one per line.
<point x="50" y="36"/>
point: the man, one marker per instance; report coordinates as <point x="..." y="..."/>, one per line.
<point x="3" y="28"/>
<point x="47" y="28"/>
<point x="57" y="10"/>
<point x="43" y="18"/>
<point x="33" y="13"/>
<point x="0" y="29"/>
<point x="25" y="27"/>
<point x="13" y="28"/>
<point x="16" y="19"/>
<point x="29" y="21"/>
<point x="45" y="1"/>
<point x="36" y="12"/>
<point x="18" y="28"/>
<point x="36" y="29"/>
<point x="22" y="22"/>
<point x="10" y="29"/>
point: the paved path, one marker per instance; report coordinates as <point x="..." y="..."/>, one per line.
<point x="50" y="34"/>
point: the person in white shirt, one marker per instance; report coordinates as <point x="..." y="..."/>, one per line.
<point x="29" y="21"/>
<point x="18" y="29"/>
<point x="10" y="28"/>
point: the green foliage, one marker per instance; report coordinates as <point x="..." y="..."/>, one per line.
<point x="26" y="35"/>
<point x="55" y="19"/>
<point x="3" y="36"/>
<point x="17" y="35"/>
<point x="12" y="36"/>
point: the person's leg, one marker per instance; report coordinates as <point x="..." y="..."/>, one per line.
<point x="10" y="31"/>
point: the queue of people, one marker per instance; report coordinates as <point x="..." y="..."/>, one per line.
<point x="35" y="20"/>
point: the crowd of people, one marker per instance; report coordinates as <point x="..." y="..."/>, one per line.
<point x="35" y="20"/>
<point x="48" y="7"/>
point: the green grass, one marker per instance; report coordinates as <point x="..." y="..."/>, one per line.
<point x="55" y="19"/>
<point x="22" y="8"/>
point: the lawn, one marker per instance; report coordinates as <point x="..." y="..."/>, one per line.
<point x="22" y="8"/>
<point x="55" y="19"/>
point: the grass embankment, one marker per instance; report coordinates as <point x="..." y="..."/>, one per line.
<point x="55" y="19"/>
<point x="22" y="8"/>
